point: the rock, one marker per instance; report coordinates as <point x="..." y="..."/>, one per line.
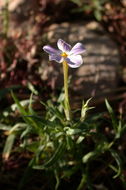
<point x="124" y="3"/>
<point x="18" y="5"/>
<point x="99" y="73"/>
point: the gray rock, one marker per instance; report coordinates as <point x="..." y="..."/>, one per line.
<point x="99" y="73"/>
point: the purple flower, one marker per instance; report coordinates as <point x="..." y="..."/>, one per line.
<point x="66" y="53"/>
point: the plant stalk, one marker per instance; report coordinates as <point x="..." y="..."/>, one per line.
<point x="66" y="99"/>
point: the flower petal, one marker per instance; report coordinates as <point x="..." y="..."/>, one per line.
<point x="50" y="50"/>
<point x="56" y="58"/>
<point x="77" y="49"/>
<point x="74" y="61"/>
<point x="63" y="46"/>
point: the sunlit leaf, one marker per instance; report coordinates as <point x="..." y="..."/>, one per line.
<point x="112" y="115"/>
<point x="117" y="158"/>
<point x="8" y="146"/>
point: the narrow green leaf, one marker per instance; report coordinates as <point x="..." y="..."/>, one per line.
<point x="99" y="149"/>
<point x="17" y="127"/>
<point x="53" y="110"/>
<point x="26" y="132"/>
<point x="57" y="179"/>
<point x="82" y="182"/>
<point x="88" y="156"/>
<point x="24" y="112"/>
<point x="20" y="107"/>
<point x="119" y="130"/>
<point x="43" y="121"/>
<point x="56" y="156"/>
<point x="116" y="157"/>
<point x="4" y="127"/>
<point x="84" y="109"/>
<point x="32" y="88"/>
<point x="112" y="115"/>
<point x="8" y="146"/>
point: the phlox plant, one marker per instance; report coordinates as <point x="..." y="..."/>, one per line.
<point x="66" y="142"/>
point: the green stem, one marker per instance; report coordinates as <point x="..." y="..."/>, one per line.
<point x="82" y="182"/>
<point x="66" y="99"/>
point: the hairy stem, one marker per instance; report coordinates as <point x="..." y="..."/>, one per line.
<point x="66" y="99"/>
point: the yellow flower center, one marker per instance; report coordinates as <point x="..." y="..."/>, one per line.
<point x="64" y="55"/>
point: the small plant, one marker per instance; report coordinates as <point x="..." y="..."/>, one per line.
<point x="66" y="56"/>
<point x="64" y="142"/>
